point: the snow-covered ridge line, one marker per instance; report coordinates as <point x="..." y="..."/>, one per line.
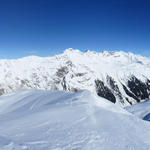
<point x="50" y="120"/>
<point x="117" y="76"/>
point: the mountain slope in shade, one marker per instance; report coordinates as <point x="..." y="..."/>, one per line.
<point x="57" y="120"/>
<point x="120" y="77"/>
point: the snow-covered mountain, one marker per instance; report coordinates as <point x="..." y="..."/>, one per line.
<point x="120" y="77"/>
<point x="58" y="120"/>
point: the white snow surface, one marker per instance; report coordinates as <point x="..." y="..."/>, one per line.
<point x="142" y="110"/>
<point x="78" y="70"/>
<point x="58" y="120"/>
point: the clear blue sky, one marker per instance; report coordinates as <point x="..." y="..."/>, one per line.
<point x="46" y="27"/>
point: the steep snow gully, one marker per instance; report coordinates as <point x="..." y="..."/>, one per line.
<point x="59" y="120"/>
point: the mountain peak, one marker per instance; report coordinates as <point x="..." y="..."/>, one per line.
<point x="71" y="50"/>
<point x="114" y="53"/>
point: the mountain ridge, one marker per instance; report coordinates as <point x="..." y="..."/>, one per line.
<point x="45" y="120"/>
<point x="118" y="76"/>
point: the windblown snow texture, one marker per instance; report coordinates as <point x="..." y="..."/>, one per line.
<point x="58" y="120"/>
<point x="142" y="110"/>
<point x="120" y="77"/>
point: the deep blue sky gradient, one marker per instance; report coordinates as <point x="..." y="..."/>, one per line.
<point x="47" y="27"/>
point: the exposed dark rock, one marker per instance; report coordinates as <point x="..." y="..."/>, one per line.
<point x="128" y="101"/>
<point x="63" y="83"/>
<point x="130" y="93"/>
<point x="74" y="89"/>
<point x="114" y="87"/>
<point x="62" y="71"/>
<point x="139" y="88"/>
<point x="80" y="74"/>
<point x="25" y="83"/>
<point x="2" y="91"/>
<point x="104" y="91"/>
<point x="135" y="88"/>
<point x="69" y="63"/>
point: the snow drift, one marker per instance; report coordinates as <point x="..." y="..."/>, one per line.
<point x="142" y="110"/>
<point x="58" y="120"/>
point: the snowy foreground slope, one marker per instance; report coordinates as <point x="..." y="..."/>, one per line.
<point x="120" y="77"/>
<point x="57" y="120"/>
<point x="142" y="110"/>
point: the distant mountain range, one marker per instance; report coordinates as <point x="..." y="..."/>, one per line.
<point x="120" y="77"/>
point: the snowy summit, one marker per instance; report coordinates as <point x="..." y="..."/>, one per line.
<point x="118" y="76"/>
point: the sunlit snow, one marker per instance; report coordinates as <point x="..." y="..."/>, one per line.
<point x="58" y="120"/>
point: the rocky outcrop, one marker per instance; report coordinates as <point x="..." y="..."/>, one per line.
<point x="103" y="91"/>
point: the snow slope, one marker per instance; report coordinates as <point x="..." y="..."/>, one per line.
<point x="120" y="77"/>
<point x="58" y="120"/>
<point x="142" y="110"/>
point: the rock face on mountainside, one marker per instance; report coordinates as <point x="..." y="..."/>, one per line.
<point x="120" y="77"/>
